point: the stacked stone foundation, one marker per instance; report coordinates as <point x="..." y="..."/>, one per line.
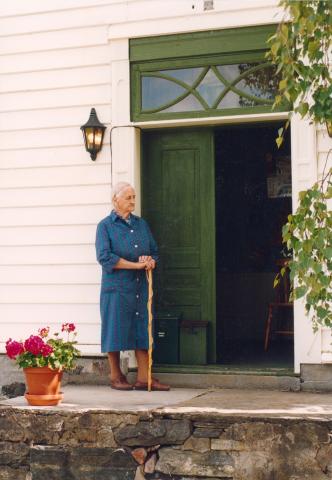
<point x="103" y="445"/>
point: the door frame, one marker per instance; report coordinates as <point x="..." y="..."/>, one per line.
<point x="125" y="134"/>
<point x="126" y="165"/>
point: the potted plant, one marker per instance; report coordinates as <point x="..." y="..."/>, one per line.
<point x="43" y="359"/>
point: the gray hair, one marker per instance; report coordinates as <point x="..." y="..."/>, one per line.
<point x="118" y="187"/>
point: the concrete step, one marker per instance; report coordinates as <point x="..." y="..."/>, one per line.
<point x="95" y="371"/>
<point x="228" y="380"/>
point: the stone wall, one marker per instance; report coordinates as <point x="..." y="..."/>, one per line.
<point x="100" y="445"/>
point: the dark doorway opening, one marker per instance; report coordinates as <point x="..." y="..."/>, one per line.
<point x="253" y="199"/>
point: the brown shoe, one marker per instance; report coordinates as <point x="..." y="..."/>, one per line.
<point x="155" y="386"/>
<point x="121" y="384"/>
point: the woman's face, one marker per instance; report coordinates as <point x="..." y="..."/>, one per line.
<point x="125" y="201"/>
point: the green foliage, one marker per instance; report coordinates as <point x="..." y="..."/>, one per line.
<point x="308" y="234"/>
<point x="64" y="354"/>
<point x="300" y="50"/>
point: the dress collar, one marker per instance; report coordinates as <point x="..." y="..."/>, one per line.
<point x="115" y="216"/>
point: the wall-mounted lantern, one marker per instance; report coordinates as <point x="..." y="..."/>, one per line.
<point x="93" y="133"/>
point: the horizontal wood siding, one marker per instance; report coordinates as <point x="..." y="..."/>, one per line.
<point x="54" y="66"/>
<point x="324" y="163"/>
<point x="324" y="145"/>
<point x="48" y="235"/>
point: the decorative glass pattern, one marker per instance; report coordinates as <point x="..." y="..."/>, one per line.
<point x="213" y="87"/>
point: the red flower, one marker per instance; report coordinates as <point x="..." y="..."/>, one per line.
<point x="14" y="348"/>
<point x="46" y="350"/>
<point x="68" y="327"/>
<point x="39" y="351"/>
<point x="43" y="332"/>
<point x="34" y="344"/>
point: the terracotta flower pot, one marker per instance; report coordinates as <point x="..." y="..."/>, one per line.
<point x="43" y="386"/>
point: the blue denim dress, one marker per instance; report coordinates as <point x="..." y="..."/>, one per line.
<point x="124" y="293"/>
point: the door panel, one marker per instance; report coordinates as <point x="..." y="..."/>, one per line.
<point x="179" y="204"/>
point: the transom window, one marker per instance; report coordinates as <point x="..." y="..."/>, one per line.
<point x="184" y="85"/>
<point x="205" y="88"/>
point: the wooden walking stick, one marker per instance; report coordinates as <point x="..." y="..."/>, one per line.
<point x="150" y="295"/>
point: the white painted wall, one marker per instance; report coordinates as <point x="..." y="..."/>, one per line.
<point x="55" y="66"/>
<point x="324" y="163"/>
<point x="59" y="58"/>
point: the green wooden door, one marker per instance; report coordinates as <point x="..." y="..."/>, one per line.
<point x="178" y="201"/>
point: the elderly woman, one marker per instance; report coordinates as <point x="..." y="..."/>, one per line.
<point x="125" y="250"/>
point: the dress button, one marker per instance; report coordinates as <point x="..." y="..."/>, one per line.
<point x="137" y="313"/>
<point x="137" y="279"/>
<point x="136" y="246"/>
<point x="137" y="296"/>
<point x="131" y="231"/>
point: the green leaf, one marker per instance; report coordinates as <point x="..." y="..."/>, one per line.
<point x="328" y="253"/>
<point x="283" y="84"/>
<point x="275" y="47"/>
<point x="322" y="312"/>
<point x="279" y="141"/>
<point x="303" y="108"/>
<point x="299" y="292"/>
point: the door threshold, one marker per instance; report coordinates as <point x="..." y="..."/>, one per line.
<point x="226" y="369"/>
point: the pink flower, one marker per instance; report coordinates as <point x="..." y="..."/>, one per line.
<point x="68" y="327"/>
<point x="14" y="348"/>
<point x="46" y="350"/>
<point x="43" y="332"/>
<point x="34" y="344"/>
<point x="42" y="351"/>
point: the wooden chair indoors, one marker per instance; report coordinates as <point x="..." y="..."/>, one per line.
<point x="280" y="319"/>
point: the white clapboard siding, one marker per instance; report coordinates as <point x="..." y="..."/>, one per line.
<point x="60" y="20"/>
<point x="36" y="81"/>
<point x="42" y="315"/>
<point x="64" y="215"/>
<point x="64" y="97"/>
<point x="324" y="158"/>
<point x="48" y="235"/>
<point x="19" y="7"/>
<point x="45" y="119"/>
<point x="48" y="255"/>
<point x="108" y="14"/>
<point x="66" y="59"/>
<point x="324" y="142"/>
<point x="77" y="195"/>
<point x="85" y="332"/>
<point x="89" y="174"/>
<point x="19" y="320"/>
<point x="55" y="66"/>
<point x="58" y="40"/>
<point x="49" y="294"/>
<point x="324" y="163"/>
<point x="42" y="138"/>
<point x="50" y="274"/>
<point x="53" y="156"/>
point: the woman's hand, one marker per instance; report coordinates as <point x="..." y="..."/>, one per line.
<point x="150" y="263"/>
<point x="141" y="265"/>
